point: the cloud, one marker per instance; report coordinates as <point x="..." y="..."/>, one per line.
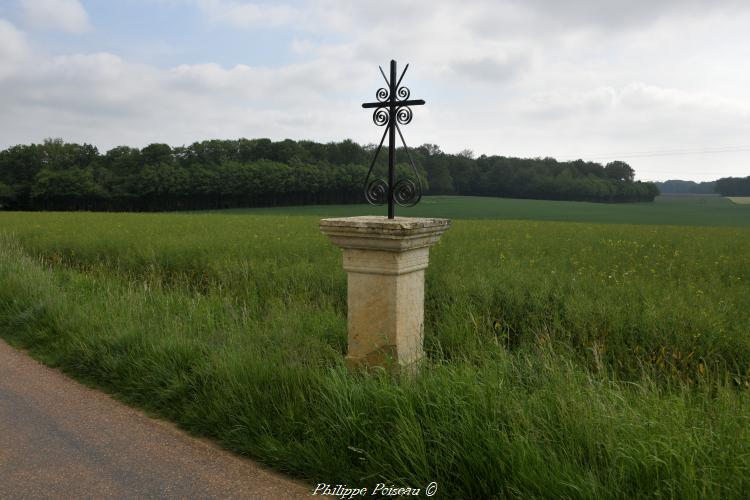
<point x="245" y="14"/>
<point x="529" y="78"/>
<point x="103" y="99"/>
<point x="493" y="67"/>
<point x="552" y="18"/>
<point x="552" y="105"/>
<point x="640" y="96"/>
<point x="61" y="15"/>
<point x="13" y="48"/>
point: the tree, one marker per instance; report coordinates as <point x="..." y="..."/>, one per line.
<point x="466" y="153"/>
<point x="733" y="186"/>
<point x="122" y="160"/>
<point x="440" y="179"/>
<point x="428" y="150"/>
<point x="6" y="195"/>
<point x="620" y="171"/>
<point x="71" y="189"/>
<point x="163" y="181"/>
<point x="255" y="172"/>
<point x="59" y="155"/>
<point x="156" y="153"/>
<point x="254" y="150"/>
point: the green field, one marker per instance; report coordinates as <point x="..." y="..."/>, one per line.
<point x="690" y="210"/>
<point x="565" y="359"/>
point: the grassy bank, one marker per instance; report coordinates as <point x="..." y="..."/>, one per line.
<point x="579" y="360"/>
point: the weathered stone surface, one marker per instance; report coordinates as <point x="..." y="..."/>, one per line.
<point x="381" y="233"/>
<point x="385" y="260"/>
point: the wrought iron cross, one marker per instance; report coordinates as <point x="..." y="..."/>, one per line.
<point x="392" y="109"/>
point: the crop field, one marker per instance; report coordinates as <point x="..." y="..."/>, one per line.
<point x="689" y="210"/>
<point x="564" y="359"/>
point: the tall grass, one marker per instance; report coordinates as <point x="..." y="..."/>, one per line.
<point x="564" y="360"/>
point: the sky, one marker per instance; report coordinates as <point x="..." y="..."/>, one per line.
<point x="663" y="85"/>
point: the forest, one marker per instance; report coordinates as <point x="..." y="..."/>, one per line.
<point x="212" y="174"/>
<point x="675" y="186"/>
<point x="726" y="186"/>
<point x="733" y="186"/>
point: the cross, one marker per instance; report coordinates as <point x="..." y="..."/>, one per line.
<point x="404" y="192"/>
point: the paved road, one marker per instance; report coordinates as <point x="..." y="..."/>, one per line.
<point x="59" y="439"/>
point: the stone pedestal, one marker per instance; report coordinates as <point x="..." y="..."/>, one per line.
<point x="385" y="260"/>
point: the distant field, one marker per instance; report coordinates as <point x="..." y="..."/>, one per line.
<point x="694" y="210"/>
<point x="740" y="200"/>
<point x="564" y="360"/>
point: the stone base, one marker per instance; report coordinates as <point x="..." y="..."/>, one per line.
<point x="385" y="260"/>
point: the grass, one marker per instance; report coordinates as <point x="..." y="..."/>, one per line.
<point x="692" y="210"/>
<point x="564" y="359"/>
<point x="740" y="200"/>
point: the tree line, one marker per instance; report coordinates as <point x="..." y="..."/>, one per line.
<point x="733" y="186"/>
<point x="686" y="187"/>
<point x="726" y="186"/>
<point x="56" y="175"/>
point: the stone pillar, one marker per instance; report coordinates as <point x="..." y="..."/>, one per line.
<point x="385" y="261"/>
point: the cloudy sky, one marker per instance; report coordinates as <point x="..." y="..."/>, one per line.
<point x="661" y="84"/>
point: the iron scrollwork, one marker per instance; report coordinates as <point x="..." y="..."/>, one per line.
<point x="380" y="117"/>
<point x="392" y="109"/>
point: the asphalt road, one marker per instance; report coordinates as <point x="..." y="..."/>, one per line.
<point x="60" y="439"/>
